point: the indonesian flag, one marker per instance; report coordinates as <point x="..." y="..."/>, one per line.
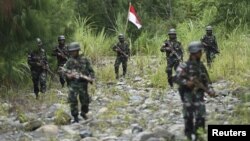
<point x="132" y="17"/>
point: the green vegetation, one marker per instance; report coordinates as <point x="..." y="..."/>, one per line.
<point x="96" y="24"/>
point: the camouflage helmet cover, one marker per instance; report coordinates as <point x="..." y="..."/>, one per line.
<point x="74" y="46"/>
<point x="61" y="37"/>
<point x="121" y="36"/>
<point x="209" y="28"/>
<point x="195" y="46"/>
<point x="172" y="31"/>
<point x="39" y="41"/>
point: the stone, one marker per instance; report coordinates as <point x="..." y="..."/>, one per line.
<point x="85" y="133"/>
<point x="164" y="133"/>
<point x="32" y="125"/>
<point x="89" y="139"/>
<point x="136" y="129"/>
<point x="48" y="130"/>
<point x="143" y="136"/>
<point x="109" y="138"/>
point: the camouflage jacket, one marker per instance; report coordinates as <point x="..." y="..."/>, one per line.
<point x="192" y="69"/>
<point x="210" y="43"/>
<point x="62" y="55"/>
<point x="124" y="47"/>
<point x="175" y="53"/>
<point x="80" y="65"/>
<point x="37" y="59"/>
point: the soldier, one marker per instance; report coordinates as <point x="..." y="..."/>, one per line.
<point x="38" y="64"/>
<point x="193" y="80"/>
<point x="123" y="53"/>
<point x="61" y="52"/>
<point x="174" y="54"/>
<point x="210" y="45"/>
<point x="79" y="73"/>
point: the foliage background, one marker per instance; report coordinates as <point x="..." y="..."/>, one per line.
<point x="96" y="24"/>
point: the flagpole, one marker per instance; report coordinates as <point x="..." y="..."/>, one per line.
<point x="127" y="19"/>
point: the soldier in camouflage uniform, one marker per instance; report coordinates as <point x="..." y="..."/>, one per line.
<point x="193" y="80"/>
<point x="79" y="73"/>
<point x="174" y="54"/>
<point x="123" y="53"/>
<point x="37" y="61"/>
<point x="210" y="45"/>
<point x="61" y="52"/>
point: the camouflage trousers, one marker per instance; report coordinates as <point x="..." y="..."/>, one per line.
<point x="210" y="56"/>
<point x="61" y="76"/>
<point x="118" y="62"/>
<point x="80" y="90"/>
<point x="171" y="64"/>
<point x="194" y="112"/>
<point x="39" y="77"/>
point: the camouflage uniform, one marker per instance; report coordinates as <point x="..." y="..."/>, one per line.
<point x="78" y="86"/>
<point x="37" y="61"/>
<point x="172" y="59"/>
<point x="61" y="52"/>
<point x="121" y="58"/>
<point x="193" y="102"/>
<point x="210" y="45"/>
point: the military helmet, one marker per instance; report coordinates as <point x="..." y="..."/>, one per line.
<point x="121" y="36"/>
<point x="61" y="37"/>
<point x="39" y="41"/>
<point x="172" y="31"/>
<point x="74" y="46"/>
<point x="195" y="46"/>
<point x="209" y="28"/>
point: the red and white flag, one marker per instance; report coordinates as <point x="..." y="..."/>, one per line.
<point x="132" y="17"/>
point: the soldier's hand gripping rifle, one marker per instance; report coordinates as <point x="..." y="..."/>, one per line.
<point x="207" y="46"/>
<point x="46" y="67"/>
<point x="76" y="75"/>
<point x="122" y="52"/>
<point x="200" y="85"/>
<point x="62" y="53"/>
<point x="168" y="46"/>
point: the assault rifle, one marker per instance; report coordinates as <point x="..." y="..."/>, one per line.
<point x="200" y="85"/>
<point x="210" y="47"/>
<point x="122" y="52"/>
<point x="167" y="44"/>
<point x="45" y="66"/>
<point x="62" y="53"/>
<point x="76" y="75"/>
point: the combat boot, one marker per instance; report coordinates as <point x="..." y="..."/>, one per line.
<point x="37" y="96"/>
<point x="76" y="120"/>
<point x="116" y="76"/>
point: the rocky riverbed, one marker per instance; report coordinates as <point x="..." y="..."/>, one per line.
<point x="129" y="109"/>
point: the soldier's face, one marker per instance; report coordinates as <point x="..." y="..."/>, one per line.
<point x="209" y="32"/>
<point x="172" y="36"/>
<point x="121" y="40"/>
<point x="74" y="53"/>
<point x="61" y="42"/>
<point x="198" y="55"/>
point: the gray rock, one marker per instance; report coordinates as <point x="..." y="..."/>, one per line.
<point x="143" y="136"/>
<point x="25" y="137"/>
<point x="156" y="139"/>
<point x="89" y="139"/>
<point x="137" y="79"/>
<point x="164" y="133"/>
<point x="32" y="125"/>
<point x="48" y="130"/>
<point x="53" y="108"/>
<point x="85" y="133"/>
<point x="110" y="138"/>
<point x="136" y="129"/>
<point x="178" y="131"/>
